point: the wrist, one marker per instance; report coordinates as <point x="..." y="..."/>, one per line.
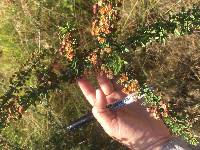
<point x="148" y="144"/>
<point x="158" y="145"/>
<point x="176" y="143"/>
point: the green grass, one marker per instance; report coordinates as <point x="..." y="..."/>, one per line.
<point x="10" y="56"/>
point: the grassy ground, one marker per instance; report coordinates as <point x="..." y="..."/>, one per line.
<point x="10" y="54"/>
<point x="173" y="68"/>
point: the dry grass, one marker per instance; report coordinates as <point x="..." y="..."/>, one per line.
<point x="176" y="72"/>
<point x="136" y="13"/>
<point x="174" y="67"/>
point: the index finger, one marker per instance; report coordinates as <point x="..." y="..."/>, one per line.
<point x="105" y="84"/>
<point x="88" y="90"/>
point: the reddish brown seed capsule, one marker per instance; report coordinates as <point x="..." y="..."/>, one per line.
<point x="95" y="9"/>
<point x="20" y="109"/>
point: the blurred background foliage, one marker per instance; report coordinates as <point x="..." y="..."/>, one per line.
<point x="172" y="68"/>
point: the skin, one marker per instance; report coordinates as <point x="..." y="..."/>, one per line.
<point x="131" y="125"/>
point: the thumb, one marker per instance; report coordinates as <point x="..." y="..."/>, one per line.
<point x="103" y="115"/>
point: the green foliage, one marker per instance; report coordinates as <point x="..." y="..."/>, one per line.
<point x="182" y="23"/>
<point x="178" y="124"/>
<point x="115" y="63"/>
<point x="180" y="127"/>
<point x="149" y="96"/>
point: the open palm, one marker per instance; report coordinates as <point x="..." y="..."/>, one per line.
<point x="130" y="125"/>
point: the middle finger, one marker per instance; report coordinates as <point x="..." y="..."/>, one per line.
<point x="105" y="84"/>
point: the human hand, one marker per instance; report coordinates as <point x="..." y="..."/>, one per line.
<point x="131" y="125"/>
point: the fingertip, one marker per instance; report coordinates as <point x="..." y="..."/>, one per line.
<point x="100" y="94"/>
<point x="102" y="77"/>
<point x="100" y="99"/>
<point x="81" y="79"/>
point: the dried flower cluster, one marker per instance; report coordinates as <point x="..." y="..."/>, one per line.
<point x="103" y="28"/>
<point x="158" y="112"/>
<point x="130" y="85"/>
<point x="153" y="112"/>
<point x="164" y="109"/>
<point x="67" y="47"/>
<point x="107" y="71"/>
<point x="93" y="58"/>
<point x="13" y="111"/>
<point x="106" y="16"/>
<point x="123" y="78"/>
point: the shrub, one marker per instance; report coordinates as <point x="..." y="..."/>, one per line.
<point x="48" y="68"/>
